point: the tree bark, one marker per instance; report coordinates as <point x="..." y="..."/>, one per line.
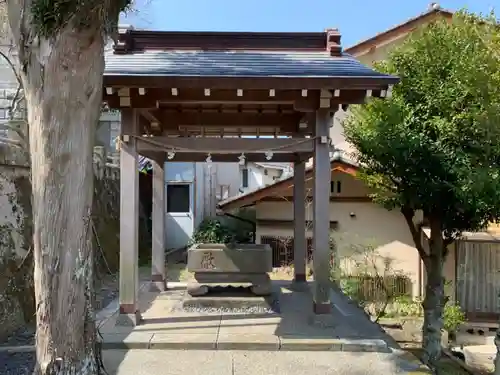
<point x="497" y="357"/>
<point x="434" y="298"/>
<point x="62" y="79"/>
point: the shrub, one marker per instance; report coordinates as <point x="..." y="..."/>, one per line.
<point x="453" y="317"/>
<point x="220" y="230"/>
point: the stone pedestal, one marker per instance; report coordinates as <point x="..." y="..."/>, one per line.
<point x="299" y="286"/>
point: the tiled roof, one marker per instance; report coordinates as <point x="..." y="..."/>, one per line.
<point x="400" y="28"/>
<point x="271" y="165"/>
<point x="338" y="156"/>
<point x="198" y="63"/>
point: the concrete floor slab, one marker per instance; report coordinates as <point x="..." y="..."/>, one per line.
<point x="130" y="340"/>
<point x="332" y="344"/>
<point x="289" y="330"/>
<point x="317" y="363"/>
<point x="203" y="362"/>
<point x="239" y="324"/>
<point x="172" y="324"/>
<point x="310" y="344"/>
<point x="165" y="362"/>
<point x="247" y="341"/>
<point x="188" y="341"/>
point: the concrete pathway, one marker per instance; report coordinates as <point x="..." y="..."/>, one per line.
<point x="285" y="342"/>
<point x="292" y="327"/>
<point x="158" y="362"/>
<point x="480" y="356"/>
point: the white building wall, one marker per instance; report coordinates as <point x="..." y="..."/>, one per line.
<point x="255" y="177"/>
<point x="361" y="225"/>
<point x="258" y="177"/>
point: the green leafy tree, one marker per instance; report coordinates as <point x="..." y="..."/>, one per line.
<point x="433" y="149"/>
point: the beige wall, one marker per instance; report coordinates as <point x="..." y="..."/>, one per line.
<point x="367" y="57"/>
<point x="380" y="52"/>
<point x="350" y="187"/>
<point x="361" y="225"/>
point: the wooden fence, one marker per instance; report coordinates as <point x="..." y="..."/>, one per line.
<point x="106" y="166"/>
<point x="373" y="287"/>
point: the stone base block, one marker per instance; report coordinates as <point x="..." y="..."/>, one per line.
<point x="299" y="286"/>
<point x="323" y="320"/>
<point x="231" y="277"/>
<point x="262" y="289"/>
<point x="300" y="277"/>
<point x="157" y="286"/>
<point x="322" y="308"/>
<point x="260" y="284"/>
<point x="195" y="289"/>
<point x="129" y="319"/>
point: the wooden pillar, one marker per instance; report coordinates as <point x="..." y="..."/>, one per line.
<point x="158" y="276"/>
<point x="321" y="214"/>
<point x="129" y="222"/>
<point x="299" y="216"/>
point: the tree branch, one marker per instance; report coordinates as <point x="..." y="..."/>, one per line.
<point x="10" y="142"/>
<point x="416" y="232"/>
<point x="12" y="66"/>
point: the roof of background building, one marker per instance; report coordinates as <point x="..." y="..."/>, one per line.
<point x="339" y="161"/>
<point x="433" y="12"/>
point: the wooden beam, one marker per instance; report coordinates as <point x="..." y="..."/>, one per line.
<point x="237" y="146"/>
<point x="151" y="117"/>
<point x="253" y="83"/>
<point x="225" y="158"/>
<point x="155" y="98"/>
<point x="214" y="119"/>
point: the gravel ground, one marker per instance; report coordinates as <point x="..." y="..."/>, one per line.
<point x="23" y="363"/>
<point x="213" y="310"/>
<point x="17" y="363"/>
<point x="214" y="306"/>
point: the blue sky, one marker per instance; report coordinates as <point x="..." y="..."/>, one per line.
<point x="356" y="19"/>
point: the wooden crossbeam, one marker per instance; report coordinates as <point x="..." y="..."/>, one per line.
<point x="214" y="145"/>
<point x="252" y="83"/>
<point x="155" y="98"/>
<point x="227" y="158"/>
<point x="240" y="120"/>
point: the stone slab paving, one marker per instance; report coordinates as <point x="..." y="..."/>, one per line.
<point x="294" y="329"/>
<point x="158" y="362"/>
<point x="480" y="356"/>
<point x="232" y="342"/>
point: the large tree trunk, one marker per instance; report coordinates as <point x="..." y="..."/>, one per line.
<point x="434" y="298"/>
<point x="497" y="357"/>
<point x="62" y="79"/>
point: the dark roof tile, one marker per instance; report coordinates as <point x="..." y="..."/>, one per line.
<point x="196" y="63"/>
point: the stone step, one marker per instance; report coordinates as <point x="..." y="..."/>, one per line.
<point x="228" y="341"/>
<point x="166" y="341"/>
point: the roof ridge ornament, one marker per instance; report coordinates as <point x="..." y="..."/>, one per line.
<point x="333" y="45"/>
<point x="125" y="40"/>
<point x="434" y="6"/>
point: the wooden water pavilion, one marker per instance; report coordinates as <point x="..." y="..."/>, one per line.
<point x="189" y="96"/>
